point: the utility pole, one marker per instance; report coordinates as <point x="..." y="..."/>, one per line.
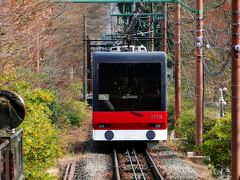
<point x="152" y="25"/>
<point x="177" y="64"/>
<point x="84" y="79"/>
<point x="89" y="66"/>
<point x="150" y="33"/>
<point x="199" y="71"/>
<point x="235" y="89"/>
<point x="164" y="28"/>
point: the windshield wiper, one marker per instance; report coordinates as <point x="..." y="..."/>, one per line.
<point x="136" y="113"/>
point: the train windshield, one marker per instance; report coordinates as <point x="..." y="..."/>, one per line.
<point x="129" y="87"/>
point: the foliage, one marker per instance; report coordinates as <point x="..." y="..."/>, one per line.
<point x="186" y="104"/>
<point x="187" y="128"/>
<point x="216" y="139"/>
<point x="171" y="120"/>
<point x="68" y="109"/>
<point x="44" y="114"/>
<point x="77" y="112"/>
<point x="41" y="137"/>
<point x="217" y="144"/>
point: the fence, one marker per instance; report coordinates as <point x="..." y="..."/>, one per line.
<point x="11" y="160"/>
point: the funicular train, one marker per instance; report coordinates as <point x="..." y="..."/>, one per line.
<point x="129" y="96"/>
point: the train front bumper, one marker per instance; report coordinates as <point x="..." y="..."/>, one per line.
<point x="129" y="135"/>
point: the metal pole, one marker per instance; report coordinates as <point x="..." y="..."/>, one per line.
<point x="84" y="58"/>
<point x="152" y="25"/>
<point x="149" y="34"/>
<point x="199" y="72"/>
<point x="89" y="66"/>
<point x="178" y="64"/>
<point x="164" y="28"/>
<point x="235" y="90"/>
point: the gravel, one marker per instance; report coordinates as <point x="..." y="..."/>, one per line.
<point x="94" y="167"/>
<point x="172" y="166"/>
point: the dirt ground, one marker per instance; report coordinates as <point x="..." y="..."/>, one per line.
<point x="74" y="140"/>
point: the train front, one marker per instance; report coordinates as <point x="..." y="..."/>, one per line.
<point x="129" y="96"/>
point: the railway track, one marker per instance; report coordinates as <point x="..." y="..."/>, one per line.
<point x="70" y="170"/>
<point x="129" y="165"/>
<point x="132" y="165"/>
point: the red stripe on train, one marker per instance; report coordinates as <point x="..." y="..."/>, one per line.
<point x="130" y="120"/>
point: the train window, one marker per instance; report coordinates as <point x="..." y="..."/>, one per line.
<point x="114" y="49"/>
<point x="129" y="86"/>
<point x="126" y="48"/>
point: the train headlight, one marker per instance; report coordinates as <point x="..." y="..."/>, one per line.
<point x="101" y="126"/>
<point x="158" y="126"/>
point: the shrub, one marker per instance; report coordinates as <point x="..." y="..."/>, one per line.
<point x="70" y="112"/>
<point x="77" y="112"/>
<point x="171" y="118"/>
<point x="186" y="129"/>
<point x="217" y="143"/>
<point x="187" y="126"/>
<point x="186" y="103"/>
<point x="69" y="107"/>
<point x="46" y="111"/>
<point x="41" y="138"/>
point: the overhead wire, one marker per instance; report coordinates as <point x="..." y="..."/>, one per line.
<point x="223" y="67"/>
<point x="221" y="70"/>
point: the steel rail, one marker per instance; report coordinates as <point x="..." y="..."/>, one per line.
<point x="130" y="159"/>
<point x="154" y="167"/>
<point x="69" y="172"/>
<point x="132" y="156"/>
<point x="117" y="171"/>
<point x="112" y="1"/>
<point x="139" y="165"/>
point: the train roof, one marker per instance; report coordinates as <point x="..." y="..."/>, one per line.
<point x="135" y="57"/>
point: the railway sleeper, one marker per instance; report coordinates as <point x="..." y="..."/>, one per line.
<point x="133" y="161"/>
<point x="137" y="169"/>
<point x="139" y="177"/>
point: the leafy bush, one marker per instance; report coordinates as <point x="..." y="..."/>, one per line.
<point x="187" y="104"/>
<point x="171" y="118"/>
<point x="72" y="109"/>
<point x="187" y="127"/>
<point x="46" y="111"/>
<point x="77" y="112"/>
<point x="41" y="137"/>
<point x="217" y="143"/>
